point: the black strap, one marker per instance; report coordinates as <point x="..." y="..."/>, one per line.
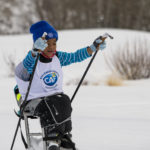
<point x="22" y="117"/>
<point x="70" y="141"/>
<point x="50" y="138"/>
<point x="66" y="136"/>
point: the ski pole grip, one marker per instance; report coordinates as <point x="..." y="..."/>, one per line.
<point x="104" y="37"/>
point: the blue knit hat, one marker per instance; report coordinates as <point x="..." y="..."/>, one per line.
<point x="40" y="27"/>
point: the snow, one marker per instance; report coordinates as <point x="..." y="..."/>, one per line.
<point x="104" y="117"/>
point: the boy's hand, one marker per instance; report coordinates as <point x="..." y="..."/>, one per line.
<point x="98" y="44"/>
<point x="39" y="45"/>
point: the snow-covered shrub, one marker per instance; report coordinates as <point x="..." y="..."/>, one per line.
<point x="10" y="64"/>
<point x="131" y="61"/>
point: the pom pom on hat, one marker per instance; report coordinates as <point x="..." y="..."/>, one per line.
<point x="37" y="29"/>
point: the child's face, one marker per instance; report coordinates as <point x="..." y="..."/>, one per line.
<point x="51" y="48"/>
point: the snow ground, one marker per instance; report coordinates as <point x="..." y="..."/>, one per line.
<point x="104" y="118"/>
<point x="108" y="118"/>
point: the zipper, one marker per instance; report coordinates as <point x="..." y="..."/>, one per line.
<point x="56" y="112"/>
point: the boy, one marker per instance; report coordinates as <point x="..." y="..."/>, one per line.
<point x="46" y="98"/>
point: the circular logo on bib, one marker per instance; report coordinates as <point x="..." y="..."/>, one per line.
<point x="50" y="78"/>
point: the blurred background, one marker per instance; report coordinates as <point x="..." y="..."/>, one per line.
<point x="113" y="104"/>
<point x="16" y="16"/>
<point x="91" y="17"/>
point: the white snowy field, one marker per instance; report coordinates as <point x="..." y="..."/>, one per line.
<point x="104" y="117"/>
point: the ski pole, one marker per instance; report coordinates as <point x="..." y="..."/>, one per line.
<point x="23" y="106"/>
<point x="103" y="37"/>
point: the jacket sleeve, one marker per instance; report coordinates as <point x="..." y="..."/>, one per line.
<point x="21" y="72"/>
<point x="69" y="58"/>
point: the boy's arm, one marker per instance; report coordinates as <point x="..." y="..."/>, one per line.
<point x="25" y="68"/>
<point x="81" y="54"/>
<point x="21" y="72"/>
<point x="78" y="56"/>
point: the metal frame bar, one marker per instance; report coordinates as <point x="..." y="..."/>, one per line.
<point x="29" y="134"/>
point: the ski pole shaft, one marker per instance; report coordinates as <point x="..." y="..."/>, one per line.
<point x="83" y="76"/>
<point x="15" y="133"/>
<point x="22" y="109"/>
<point x="103" y="38"/>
